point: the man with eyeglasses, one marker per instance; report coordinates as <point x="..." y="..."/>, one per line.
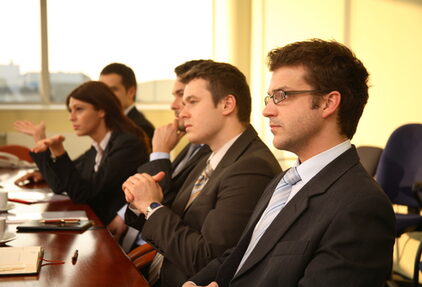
<point x="324" y="222"/>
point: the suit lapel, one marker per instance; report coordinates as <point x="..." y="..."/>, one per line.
<point x="180" y="156"/>
<point x="232" y="154"/>
<point x="319" y="184"/>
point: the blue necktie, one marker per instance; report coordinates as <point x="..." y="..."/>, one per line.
<point x="276" y="204"/>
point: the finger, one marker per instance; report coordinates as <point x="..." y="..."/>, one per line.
<point x="128" y="195"/>
<point x="213" y="284"/>
<point x="180" y="134"/>
<point x="159" y="176"/>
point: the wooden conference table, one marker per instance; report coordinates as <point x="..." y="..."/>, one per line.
<point x="101" y="262"/>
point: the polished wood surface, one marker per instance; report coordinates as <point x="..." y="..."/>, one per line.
<point x="100" y="262"/>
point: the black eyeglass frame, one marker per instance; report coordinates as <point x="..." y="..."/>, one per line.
<point x="279" y="95"/>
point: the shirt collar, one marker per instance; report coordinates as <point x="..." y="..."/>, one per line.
<point x="311" y="167"/>
<point x="127" y="110"/>
<point x="100" y="148"/>
<point x="217" y="156"/>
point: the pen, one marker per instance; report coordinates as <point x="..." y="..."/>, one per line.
<point x="20" y="200"/>
<point x="75" y="256"/>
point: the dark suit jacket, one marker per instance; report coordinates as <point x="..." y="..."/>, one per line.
<point x="190" y="238"/>
<point x="102" y="190"/>
<point x="171" y="185"/>
<point x="140" y="120"/>
<point x="338" y="230"/>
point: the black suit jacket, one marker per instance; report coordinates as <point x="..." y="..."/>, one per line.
<point x="102" y="190"/>
<point x="190" y="238"/>
<point x="338" y="230"/>
<point x="140" y="120"/>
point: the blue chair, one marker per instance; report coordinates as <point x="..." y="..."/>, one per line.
<point x="399" y="173"/>
<point x="400" y="166"/>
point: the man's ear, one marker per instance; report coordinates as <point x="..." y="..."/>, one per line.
<point x="132" y="93"/>
<point x="330" y="103"/>
<point x="229" y="104"/>
<point x="101" y="113"/>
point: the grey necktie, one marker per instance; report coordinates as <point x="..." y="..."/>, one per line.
<point x="276" y="204"/>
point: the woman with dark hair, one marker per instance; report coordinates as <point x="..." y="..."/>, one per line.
<point x="118" y="148"/>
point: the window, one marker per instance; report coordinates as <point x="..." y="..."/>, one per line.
<point x="152" y="37"/>
<point x="20" y="51"/>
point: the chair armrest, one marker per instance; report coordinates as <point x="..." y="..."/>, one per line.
<point x="145" y="259"/>
<point x="139" y="251"/>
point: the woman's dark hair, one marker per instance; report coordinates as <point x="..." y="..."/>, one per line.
<point x="102" y="97"/>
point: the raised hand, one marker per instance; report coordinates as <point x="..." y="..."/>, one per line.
<point x="166" y="137"/>
<point x="31" y="129"/>
<point x="55" y="144"/>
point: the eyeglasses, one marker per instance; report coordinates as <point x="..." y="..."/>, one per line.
<point x="280" y="95"/>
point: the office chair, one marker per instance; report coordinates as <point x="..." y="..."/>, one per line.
<point x="369" y="157"/>
<point x="399" y="173"/>
<point x="400" y="166"/>
<point x="142" y="255"/>
<point x="22" y="152"/>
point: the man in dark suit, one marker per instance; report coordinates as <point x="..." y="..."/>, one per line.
<point x="212" y="207"/>
<point x="165" y="140"/>
<point x="332" y="225"/>
<point x="122" y="81"/>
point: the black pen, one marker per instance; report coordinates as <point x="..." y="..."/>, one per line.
<point x="75" y="256"/>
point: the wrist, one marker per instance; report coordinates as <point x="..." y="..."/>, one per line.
<point x="160" y="149"/>
<point x="151" y="207"/>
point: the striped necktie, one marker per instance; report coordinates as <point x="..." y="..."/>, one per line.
<point x="200" y="183"/>
<point x="276" y="204"/>
<point x="157" y="262"/>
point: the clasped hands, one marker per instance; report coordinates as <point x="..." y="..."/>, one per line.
<point x="142" y="189"/>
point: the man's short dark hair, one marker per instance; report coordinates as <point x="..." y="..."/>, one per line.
<point x="330" y="66"/>
<point x="125" y="72"/>
<point x="183" y="68"/>
<point x="223" y="79"/>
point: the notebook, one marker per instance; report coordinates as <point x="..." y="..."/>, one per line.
<point x="21" y="217"/>
<point x="20" y="260"/>
<point x="39" y="225"/>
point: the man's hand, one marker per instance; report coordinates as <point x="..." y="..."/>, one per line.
<point x="117" y="227"/>
<point x="30" y="177"/>
<point x="55" y="144"/>
<point x="142" y="189"/>
<point x="31" y="129"/>
<point x="191" y="284"/>
<point x="166" y="137"/>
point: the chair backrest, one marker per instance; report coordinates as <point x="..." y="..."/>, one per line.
<point x="369" y="157"/>
<point x="400" y="164"/>
<point x="22" y="152"/>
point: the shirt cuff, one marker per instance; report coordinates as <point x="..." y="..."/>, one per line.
<point x="152" y="212"/>
<point x="159" y="155"/>
<point x="122" y="211"/>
